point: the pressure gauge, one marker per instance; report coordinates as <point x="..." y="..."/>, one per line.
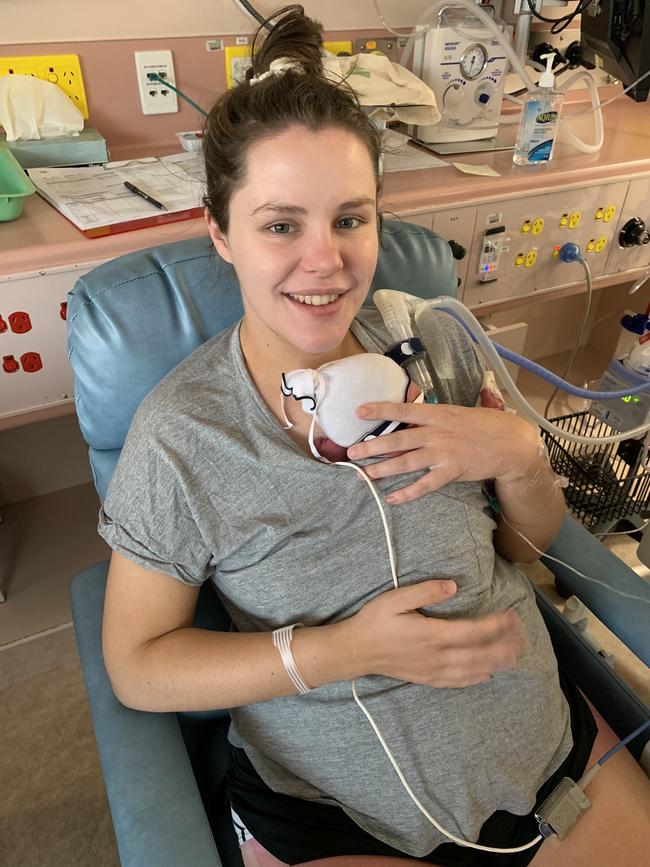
<point x="473" y="61"/>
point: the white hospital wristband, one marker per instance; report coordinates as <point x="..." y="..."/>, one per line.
<point x="282" y="639"/>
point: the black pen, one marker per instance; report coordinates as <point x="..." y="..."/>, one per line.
<point x="133" y="189"/>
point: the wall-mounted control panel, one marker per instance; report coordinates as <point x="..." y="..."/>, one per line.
<point x="512" y="246"/>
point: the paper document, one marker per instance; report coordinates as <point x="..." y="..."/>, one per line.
<point x="398" y="155"/>
<point x="94" y="197"/>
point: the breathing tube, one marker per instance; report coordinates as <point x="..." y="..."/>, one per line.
<point x="399" y="309"/>
<point x="438" y="5"/>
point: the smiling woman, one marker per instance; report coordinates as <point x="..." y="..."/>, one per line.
<point x="455" y="664"/>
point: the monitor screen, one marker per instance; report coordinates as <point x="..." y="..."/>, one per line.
<point x="618" y="31"/>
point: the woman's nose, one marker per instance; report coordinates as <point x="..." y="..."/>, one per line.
<point x="321" y="254"/>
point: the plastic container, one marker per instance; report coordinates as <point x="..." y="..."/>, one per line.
<point x="15" y="186"/>
<point x="190" y="141"/>
<point x="539" y="120"/>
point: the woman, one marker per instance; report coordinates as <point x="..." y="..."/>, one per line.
<point x="455" y="665"/>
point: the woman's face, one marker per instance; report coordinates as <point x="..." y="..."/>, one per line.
<point x="303" y="240"/>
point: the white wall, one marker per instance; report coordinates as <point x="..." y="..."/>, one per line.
<point x="25" y="21"/>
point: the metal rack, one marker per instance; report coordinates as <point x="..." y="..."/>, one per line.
<point x="605" y="482"/>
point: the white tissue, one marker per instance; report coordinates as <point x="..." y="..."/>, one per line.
<point x="31" y="108"/>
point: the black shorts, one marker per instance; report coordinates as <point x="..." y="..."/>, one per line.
<point x="295" y="830"/>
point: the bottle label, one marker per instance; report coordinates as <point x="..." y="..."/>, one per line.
<point x="541" y="152"/>
<point x="546" y="117"/>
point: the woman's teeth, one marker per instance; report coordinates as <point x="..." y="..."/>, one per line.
<point x="315" y="300"/>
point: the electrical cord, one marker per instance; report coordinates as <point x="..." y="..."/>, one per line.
<point x="607" y="101"/>
<point x="581" y="333"/>
<point x="247" y="7"/>
<point x="564" y="20"/>
<point x="153" y="76"/>
<point x="587" y="776"/>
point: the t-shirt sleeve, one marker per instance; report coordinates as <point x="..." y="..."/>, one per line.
<point x="147" y="515"/>
<point x="455" y="362"/>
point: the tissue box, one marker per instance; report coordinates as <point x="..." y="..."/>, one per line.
<point x="15" y="186"/>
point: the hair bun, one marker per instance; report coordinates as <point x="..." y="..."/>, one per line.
<point x="293" y="39"/>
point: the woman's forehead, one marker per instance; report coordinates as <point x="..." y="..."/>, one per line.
<point x="329" y="162"/>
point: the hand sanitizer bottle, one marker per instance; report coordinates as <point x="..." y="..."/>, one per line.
<point x="539" y="120"/>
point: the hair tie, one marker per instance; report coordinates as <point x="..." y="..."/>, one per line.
<point x="278" y="67"/>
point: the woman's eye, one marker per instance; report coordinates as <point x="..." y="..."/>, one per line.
<point x="281" y="228"/>
<point x="348" y="222"/>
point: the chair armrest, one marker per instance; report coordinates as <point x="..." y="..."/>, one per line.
<point x="155" y="803"/>
<point x="627" y="618"/>
<point x="619" y="705"/>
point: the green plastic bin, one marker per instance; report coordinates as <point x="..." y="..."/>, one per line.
<point x="15" y="186"/>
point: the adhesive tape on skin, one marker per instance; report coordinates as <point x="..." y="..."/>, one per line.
<point x="334" y="391"/>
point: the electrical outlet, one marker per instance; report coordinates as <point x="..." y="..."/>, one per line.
<point x="60" y="69"/>
<point x="155" y="97"/>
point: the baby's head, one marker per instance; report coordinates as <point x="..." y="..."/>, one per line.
<point x="333" y="393"/>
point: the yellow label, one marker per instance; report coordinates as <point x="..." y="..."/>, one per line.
<point x="238" y="58"/>
<point x="60" y="69"/>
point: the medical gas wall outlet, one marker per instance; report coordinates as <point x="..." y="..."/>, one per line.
<point x="155" y="98"/>
<point x="539" y="120"/>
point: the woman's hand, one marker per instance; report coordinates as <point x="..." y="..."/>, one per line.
<point x="389" y="636"/>
<point x="455" y="443"/>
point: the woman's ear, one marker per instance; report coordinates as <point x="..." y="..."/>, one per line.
<point x="218" y="237"/>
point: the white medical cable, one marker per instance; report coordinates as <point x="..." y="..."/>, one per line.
<point x="577" y="571"/>
<point x="473" y="326"/>
<point x="393" y="569"/>
<point x="625" y="532"/>
<point x="368" y="715"/>
<point x="612" y="98"/>
<point x="390" y="29"/>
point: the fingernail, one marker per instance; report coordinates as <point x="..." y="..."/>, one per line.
<point x="449" y="587"/>
<point x="391" y="499"/>
<point x="362" y="411"/>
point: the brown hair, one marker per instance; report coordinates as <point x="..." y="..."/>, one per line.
<point x="248" y="113"/>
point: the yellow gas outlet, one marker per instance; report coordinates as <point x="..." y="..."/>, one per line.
<point x="238" y="58"/>
<point x="531" y="258"/>
<point x="591" y="246"/>
<point x="600" y="213"/>
<point x="61" y="69"/>
<point x="525" y="229"/>
<point x="538" y="226"/>
<point x="519" y="261"/>
<point x="574" y="219"/>
<point x="601" y="243"/>
<point x="610" y="210"/>
<point x="564" y="221"/>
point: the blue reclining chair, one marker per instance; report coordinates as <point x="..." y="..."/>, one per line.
<point x="130" y="321"/>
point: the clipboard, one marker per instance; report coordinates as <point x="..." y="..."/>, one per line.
<point x="95" y="200"/>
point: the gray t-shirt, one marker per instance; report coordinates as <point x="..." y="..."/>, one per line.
<point x="210" y="486"/>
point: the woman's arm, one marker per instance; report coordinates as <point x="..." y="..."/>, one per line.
<point x="457" y="443"/>
<point x="532" y="503"/>
<point x="157" y="661"/>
